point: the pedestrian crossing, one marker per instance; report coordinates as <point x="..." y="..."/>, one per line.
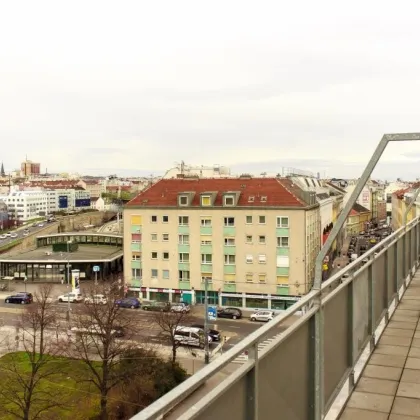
<point x="243" y="358"/>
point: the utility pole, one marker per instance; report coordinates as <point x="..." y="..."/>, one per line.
<point x="206" y="323"/>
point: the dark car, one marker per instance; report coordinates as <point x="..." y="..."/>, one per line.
<point x="119" y="331"/>
<point x="129" y="302"/>
<point x="157" y="306"/>
<point x="214" y="334"/>
<point x="21" y="297"/>
<point x="232" y="313"/>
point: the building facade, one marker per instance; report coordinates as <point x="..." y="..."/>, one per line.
<point x="29" y="168"/>
<point x="253" y="241"/>
<point x="26" y="205"/>
<point x="68" y="200"/>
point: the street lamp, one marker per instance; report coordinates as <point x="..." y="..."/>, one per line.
<point x="68" y="282"/>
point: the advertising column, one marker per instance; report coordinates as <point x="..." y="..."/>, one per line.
<point x="75" y="281"/>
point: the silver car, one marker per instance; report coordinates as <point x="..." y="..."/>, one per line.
<point x="263" y="316"/>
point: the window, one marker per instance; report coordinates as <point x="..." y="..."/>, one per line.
<point x="136" y="238"/>
<point x="166" y="255"/>
<point x="135" y="256"/>
<point x="229" y="200"/>
<point x="184" y="275"/>
<point x="282" y="261"/>
<point x="154" y="237"/>
<point x="261" y="239"/>
<point x="282" y="222"/>
<point x="205" y="200"/>
<point x="229" y="221"/>
<point x="183" y="200"/>
<point x="154" y="255"/>
<point x="261" y="220"/>
<point x="165" y="274"/>
<point x="205" y="241"/>
<point x="154" y="219"/>
<point x="251" y="199"/>
<point x="248" y="239"/>
<point x="136" y="273"/>
<point x="207" y="278"/>
<point x="183" y="220"/>
<point x="283" y="241"/>
<point x="165" y="219"/>
<point x="184" y="257"/>
<point x="263" y="199"/>
<point x="249" y="277"/>
<point x="206" y="258"/>
<point x="249" y="259"/>
<point x="154" y="273"/>
<point x="183" y="239"/>
<point x="229" y="259"/>
<point x="248" y="220"/>
<point x="206" y="222"/>
<point x="230" y="241"/>
<point x="165" y="237"/>
<point x="262" y="259"/>
<point x="262" y="278"/>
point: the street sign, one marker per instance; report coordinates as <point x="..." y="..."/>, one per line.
<point x="96" y="268"/>
<point x="212" y="313"/>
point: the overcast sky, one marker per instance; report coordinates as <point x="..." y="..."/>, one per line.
<point x="135" y="86"/>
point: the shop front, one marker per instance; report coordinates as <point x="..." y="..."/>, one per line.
<point x="256" y="301"/>
<point x="163" y="295"/>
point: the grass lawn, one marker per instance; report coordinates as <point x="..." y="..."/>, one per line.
<point x="80" y="398"/>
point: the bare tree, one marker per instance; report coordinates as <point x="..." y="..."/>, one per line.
<point x="98" y="330"/>
<point x="31" y="362"/>
<point x="168" y="322"/>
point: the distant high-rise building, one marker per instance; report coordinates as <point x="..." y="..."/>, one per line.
<point x="29" y="168"/>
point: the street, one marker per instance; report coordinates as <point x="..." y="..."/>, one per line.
<point x="19" y="233"/>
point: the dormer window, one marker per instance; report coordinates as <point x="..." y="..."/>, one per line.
<point x="229" y="200"/>
<point x="263" y="199"/>
<point x="206" y="200"/>
<point x="251" y="199"/>
<point x="183" y="200"/>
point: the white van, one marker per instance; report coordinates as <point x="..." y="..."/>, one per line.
<point x="190" y="336"/>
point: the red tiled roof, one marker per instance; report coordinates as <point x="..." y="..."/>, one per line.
<point x="353" y="212"/>
<point x="165" y="192"/>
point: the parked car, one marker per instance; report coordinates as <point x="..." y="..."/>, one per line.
<point x="189" y="336"/>
<point x="232" y="313"/>
<point x="156" y="306"/>
<point x="21" y="297"/>
<point x="13" y="235"/>
<point x="8" y="235"/>
<point x="41" y="225"/>
<point x="214" y="334"/>
<point x="180" y="307"/>
<point x="72" y="297"/>
<point x="101" y="299"/>
<point x="3" y="236"/>
<point x="264" y="316"/>
<point x="130" y="302"/>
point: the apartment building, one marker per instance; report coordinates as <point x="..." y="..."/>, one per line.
<point x="26" y="205"/>
<point x="68" y="199"/>
<point x="253" y="240"/>
<point x="95" y="186"/>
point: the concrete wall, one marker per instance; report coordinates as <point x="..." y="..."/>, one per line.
<point x="66" y="224"/>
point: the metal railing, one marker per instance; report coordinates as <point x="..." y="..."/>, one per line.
<point x="282" y="377"/>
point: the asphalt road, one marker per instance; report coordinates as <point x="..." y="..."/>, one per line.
<point x="19" y="233"/>
<point x="234" y="330"/>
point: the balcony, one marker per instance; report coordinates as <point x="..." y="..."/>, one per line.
<point x="351" y="352"/>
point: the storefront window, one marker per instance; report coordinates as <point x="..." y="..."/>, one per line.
<point x="159" y="296"/>
<point x="213" y="297"/>
<point x="232" y="301"/>
<point x="256" y="303"/>
<point x="278" y="304"/>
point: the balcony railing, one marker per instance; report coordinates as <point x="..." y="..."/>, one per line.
<point x="289" y="377"/>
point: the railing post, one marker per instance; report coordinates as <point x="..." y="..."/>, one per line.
<point x="386" y="286"/>
<point x="319" y="361"/>
<point x="350" y="335"/>
<point x="252" y="385"/>
<point x="396" y="264"/>
<point x="416" y="255"/>
<point x="371" y="316"/>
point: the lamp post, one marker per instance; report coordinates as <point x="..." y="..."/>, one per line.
<point x="206" y="322"/>
<point x="68" y="282"/>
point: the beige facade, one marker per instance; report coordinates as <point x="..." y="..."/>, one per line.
<point x="250" y="251"/>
